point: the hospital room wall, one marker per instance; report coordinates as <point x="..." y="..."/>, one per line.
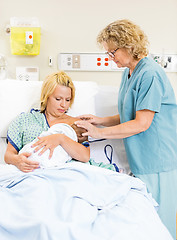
<point x="72" y="26"/>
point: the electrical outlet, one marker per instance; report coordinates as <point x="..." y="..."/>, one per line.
<point x="76" y="61"/>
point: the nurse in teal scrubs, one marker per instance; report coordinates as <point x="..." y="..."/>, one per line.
<point x="147" y="119"/>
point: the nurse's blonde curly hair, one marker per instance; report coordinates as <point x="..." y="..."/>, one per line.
<point x="49" y="85"/>
<point x="125" y="34"/>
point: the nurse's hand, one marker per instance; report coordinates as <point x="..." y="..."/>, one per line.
<point x="91" y="130"/>
<point x="91" y="119"/>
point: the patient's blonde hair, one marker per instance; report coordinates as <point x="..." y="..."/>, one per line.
<point x="51" y="82"/>
<point x="125" y="34"/>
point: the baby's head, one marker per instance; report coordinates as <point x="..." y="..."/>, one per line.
<point x="79" y="132"/>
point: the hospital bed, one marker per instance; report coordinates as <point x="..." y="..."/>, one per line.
<point x="76" y="201"/>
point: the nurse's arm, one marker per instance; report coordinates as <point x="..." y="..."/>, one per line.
<point x="104" y="121"/>
<point x="140" y="124"/>
<point x="110" y="121"/>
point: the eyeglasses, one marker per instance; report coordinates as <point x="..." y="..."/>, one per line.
<point x="112" y="54"/>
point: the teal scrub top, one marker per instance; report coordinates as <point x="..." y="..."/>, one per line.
<point x="154" y="150"/>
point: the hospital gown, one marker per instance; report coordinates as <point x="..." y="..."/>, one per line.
<point x="28" y="126"/>
<point x="152" y="154"/>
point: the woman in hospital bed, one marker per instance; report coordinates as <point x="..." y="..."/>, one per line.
<point x="49" y="138"/>
<point x="57" y="96"/>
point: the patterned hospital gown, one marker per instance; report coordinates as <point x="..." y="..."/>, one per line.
<point x="27" y="126"/>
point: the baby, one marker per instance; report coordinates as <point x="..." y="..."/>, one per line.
<point x="79" y="132"/>
<point x="60" y="156"/>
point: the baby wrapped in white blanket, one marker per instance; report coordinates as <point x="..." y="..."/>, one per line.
<point x="60" y="156"/>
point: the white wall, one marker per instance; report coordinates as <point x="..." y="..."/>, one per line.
<point x="72" y="26"/>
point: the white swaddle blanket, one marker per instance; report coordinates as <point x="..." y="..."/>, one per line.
<point x="60" y="156"/>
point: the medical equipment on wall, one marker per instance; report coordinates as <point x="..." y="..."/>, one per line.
<point x="167" y="61"/>
<point x="86" y="62"/>
<point x="3" y="65"/>
<point x="25" y="36"/>
<point x="27" y="73"/>
<point x="101" y="62"/>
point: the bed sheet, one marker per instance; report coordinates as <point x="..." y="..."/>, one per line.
<point x="3" y="146"/>
<point x="76" y="202"/>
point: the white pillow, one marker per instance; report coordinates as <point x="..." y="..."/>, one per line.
<point x="20" y="96"/>
<point x="15" y="97"/>
<point x="84" y="98"/>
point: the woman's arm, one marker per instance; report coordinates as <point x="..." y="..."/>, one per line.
<point x="141" y="123"/>
<point x="74" y="149"/>
<point x="21" y="161"/>
<point x="111" y="121"/>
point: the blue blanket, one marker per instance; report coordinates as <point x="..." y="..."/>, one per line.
<point x="76" y="202"/>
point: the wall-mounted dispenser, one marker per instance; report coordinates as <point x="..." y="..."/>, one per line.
<point x="25" y="36"/>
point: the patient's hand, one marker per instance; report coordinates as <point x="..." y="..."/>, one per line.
<point x="24" y="164"/>
<point x="48" y="142"/>
<point x="20" y="160"/>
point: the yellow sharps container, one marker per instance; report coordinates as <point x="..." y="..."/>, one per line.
<point x="25" y="36"/>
